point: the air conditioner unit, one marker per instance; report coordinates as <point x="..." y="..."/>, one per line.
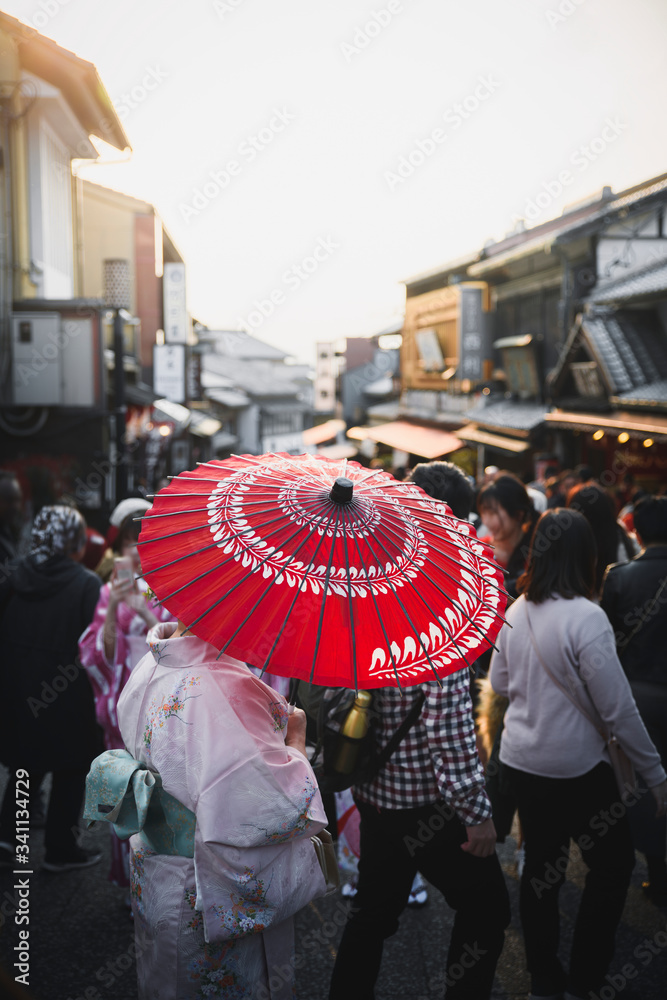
<point x="37" y="368"/>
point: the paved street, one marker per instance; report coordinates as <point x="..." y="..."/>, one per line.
<point x="81" y="939"/>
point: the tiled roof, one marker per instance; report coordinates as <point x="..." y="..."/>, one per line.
<point x="509" y="413"/>
<point x="642" y="283"/>
<point x="258" y="378"/>
<point x="612" y="207"/>
<point x="632" y="346"/>
<point x="238" y="344"/>
<point x="629" y="345"/>
<point x="655" y="392"/>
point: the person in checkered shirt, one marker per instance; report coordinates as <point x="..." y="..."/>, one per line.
<point x="427" y="810"/>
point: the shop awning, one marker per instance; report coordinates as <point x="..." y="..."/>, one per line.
<point x="338" y="451"/>
<point x="233" y="398"/>
<point x="637" y="426"/>
<point x="473" y="434"/>
<point x="139" y="394"/>
<point x="203" y="424"/>
<point x="358" y="433"/>
<point x="427" y="442"/>
<point x="323" y="432"/>
<point x="177" y="414"/>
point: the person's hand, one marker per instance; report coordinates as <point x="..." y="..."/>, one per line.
<point x="119" y="591"/>
<point x="659" y="793"/>
<point x="481" y="842"/>
<point x="296" y="730"/>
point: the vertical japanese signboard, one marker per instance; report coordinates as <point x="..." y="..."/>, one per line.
<point x="169" y="371"/>
<point x="175" y="311"/>
<point x="472" y="334"/>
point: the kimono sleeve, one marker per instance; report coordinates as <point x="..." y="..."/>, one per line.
<point x="91" y="648"/>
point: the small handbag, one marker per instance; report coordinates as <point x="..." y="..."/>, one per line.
<point x="326" y="855"/>
<point x="622" y="766"/>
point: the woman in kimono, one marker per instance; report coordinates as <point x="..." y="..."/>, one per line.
<point x="111" y="647"/>
<point x="213" y="906"/>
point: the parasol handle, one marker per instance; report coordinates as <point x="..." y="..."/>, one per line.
<point x="342" y="490"/>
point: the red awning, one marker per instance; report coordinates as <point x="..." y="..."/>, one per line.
<point x="427" y="442"/>
<point x="323" y="432"/>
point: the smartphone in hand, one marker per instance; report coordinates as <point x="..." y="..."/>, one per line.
<point x="123" y="570"/>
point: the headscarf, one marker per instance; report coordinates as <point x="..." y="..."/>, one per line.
<point x="57" y="531"/>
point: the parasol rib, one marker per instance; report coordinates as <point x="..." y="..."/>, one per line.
<point x="298" y="591"/>
<point x="324" y="598"/>
<point x="283" y="570"/>
<point x="231" y="558"/>
<point x="424" y="602"/>
<point x="349" y="600"/>
<point x="377" y="611"/>
<point x="459" y="583"/>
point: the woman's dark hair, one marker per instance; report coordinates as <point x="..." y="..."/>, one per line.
<point x="509" y="493"/>
<point x="650" y="519"/>
<point x="598" y="509"/>
<point x="445" y="481"/>
<point x="128" y="532"/>
<point x="561" y="559"/>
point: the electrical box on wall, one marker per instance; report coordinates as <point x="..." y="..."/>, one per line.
<point x="38" y="362"/>
<point x="53" y="360"/>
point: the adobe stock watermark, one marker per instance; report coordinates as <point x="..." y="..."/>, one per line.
<point x="308" y="943"/>
<point x="130" y="100"/>
<point x="580" y="159"/>
<point x="247" y="151"/>
<point x="24" y="371"/>
<point x="224" y="7"/>
<point x="455" y="116"/>
<point x="468" y="959"/>
<point x="292" y="279"/>
<point x="46" y="11"/>
<point x="367" y="32"/>
<point x="645" y="952"/>
<point x="600" y="824"/>
<point x="565" y="9"/>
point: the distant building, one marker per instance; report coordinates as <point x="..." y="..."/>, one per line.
<point x="54" y="420"/>
<point x="264" y="402"/>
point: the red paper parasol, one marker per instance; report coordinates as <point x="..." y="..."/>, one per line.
<point x="322" y="570"/>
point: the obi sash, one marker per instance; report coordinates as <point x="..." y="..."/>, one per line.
<point x="124" y="792"/>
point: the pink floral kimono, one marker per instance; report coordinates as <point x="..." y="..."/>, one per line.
<point x="219" y="924"/>
<point x="108" y="680"/>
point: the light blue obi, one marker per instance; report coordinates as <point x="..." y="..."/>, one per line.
<point x="123" y="791"/>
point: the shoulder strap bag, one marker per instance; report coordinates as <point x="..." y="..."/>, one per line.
<point x="623" y="768"/>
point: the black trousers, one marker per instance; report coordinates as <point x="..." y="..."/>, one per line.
<point x="588" y="810"/>
<point x="395" y="843"/>
<point x="62" y="817"/>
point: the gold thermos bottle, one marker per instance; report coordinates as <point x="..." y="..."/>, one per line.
<point x="354" y="729"/>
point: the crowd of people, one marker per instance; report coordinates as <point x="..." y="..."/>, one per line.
<point x="92" y="662"/>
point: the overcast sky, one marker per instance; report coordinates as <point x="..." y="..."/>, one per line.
<point x="320" y="152"/>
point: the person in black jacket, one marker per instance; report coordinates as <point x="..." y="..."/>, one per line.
<point x="634" y="596"/>
<point x="49" y="717"/>
<point x="11" y="513"/>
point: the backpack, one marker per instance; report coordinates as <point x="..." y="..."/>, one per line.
<point x="334" y="706"/>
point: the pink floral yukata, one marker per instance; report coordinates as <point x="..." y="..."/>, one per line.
<point x="108" y="680"/>
<point x="219" y="924"/>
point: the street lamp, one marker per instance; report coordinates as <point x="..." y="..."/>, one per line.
<point x="117" y="297"/>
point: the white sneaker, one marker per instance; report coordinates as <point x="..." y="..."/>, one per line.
<point x="418" y="895"/>
<point x="520" y="858"/>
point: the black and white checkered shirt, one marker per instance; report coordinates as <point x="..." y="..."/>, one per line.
<point x="438" y="757"/>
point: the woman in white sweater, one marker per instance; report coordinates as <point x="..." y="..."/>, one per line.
<point x="560" y="653"/>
